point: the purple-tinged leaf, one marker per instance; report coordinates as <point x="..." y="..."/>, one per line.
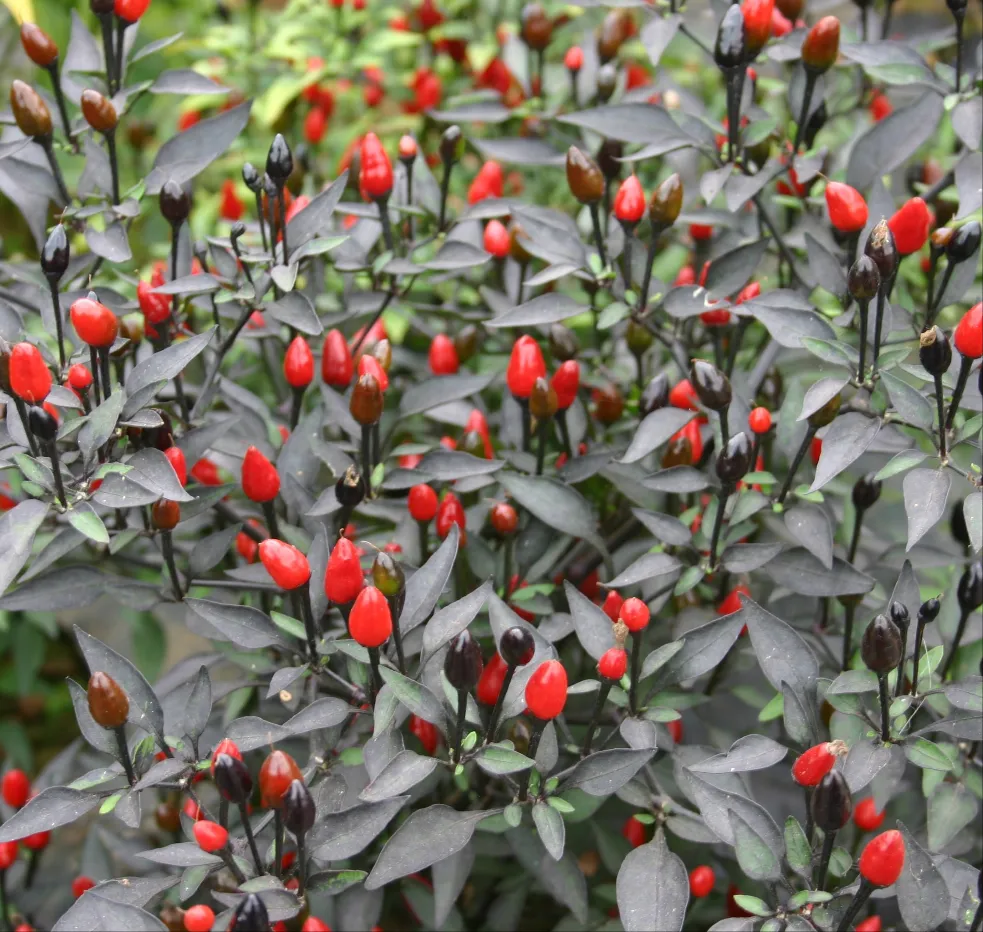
<point x="925" y="494"/>
<point x="17" y="529"/>
<point x="652" y="888"/>
<point x="51" y="808"/>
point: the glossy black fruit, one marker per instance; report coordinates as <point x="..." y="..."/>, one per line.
<point x="970" y="589"/>
<point x="831" y="803"/>
<point x="250" y="916"/>
<point x="735" y="460"/>
<point x="730" y="49"/>
<point x="175" y="203"/>
<point x="929" y="610"/>
<point x="517" y="646"/>
<point x="964" y="242"/>
<point x="655" y="395"/>
<point x="881" y="645"/>
<point x="935" y="351"/>
<point x="42" y="424"/>
<point x="864" y="279"/>
<point x="298" y="808"/>
<point x="350" y="488"/>
<point x="866" y="492"/>
<point x="279" y="160"/>
<point x="232" y="779"/>
<point x="712" y="387"/>
<point x="55" y="255"/>
<point x="881" y="248"/>
<point x="463" y="663"/>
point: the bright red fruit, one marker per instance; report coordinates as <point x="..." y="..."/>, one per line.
<point x="968" y="336"/>
<point x="211" y="837"/>
<point x="8" y="854"/>
<point x="496" y="239"/>
<point x="230" y="205"/>
<point x="816" y="450"/>
<point x="79" y="377"/>
<point x="156" y="307"/>
<point x="131" y="10"/>
<point x="426" y="733"/>
<point x="343" y="579"/>
<point x="315" y="125"/>
<point x="492" y="678"/>
<point x="443" y="356"/>
<point x="574" y="58"/>
<point x="847" y="207"/>
<point x="370" y="622"/>
<point x="865" y="815"/>
<point x="700" y="231"/>
<point x="28" y="373"/>
<point x="15" y="788"/>
<point x="487" y="183"/>
<point x="780" y="26"/>
<point x="260" y="480"/>
<point x="732" y="602"/>
<point x="748" y="293"/>
<point x="629" y="202"/>
<point x="759" y="420"/>
<point x="546" y="690"/>
<point x="313" y="924"/>
<point x="479" y="424"/>
<point x="525" y="366"/>
<point x="450" y="512"/>
<point x="685" y="276"/>
<point x="298" y="363"/>
<point x="635" y="614"/>
<point x="634" y="832"/>
<point x="279" y="770"/>
<point x="880" y="107"/>
<point x="566" y="382"/>
<point x="613" y="663"/>
<point x="882" y="858"/>
<point x="337" y="367"/>
<point x="81" y="884"/>
<point x="701" y="881"/>
<point x="612" y="605"/>
<point x="376" y="171"/>
<point x="407" y="148"/>
<point x="683" y="396"/>
<point x="675" y="729"/>
<point x="369" y="365"/>
<point x="36" y="842"/>
<point x="757" y="23"/>
<point x="719" y="318"/>
<point x="285" y="563"/>
<point x="422" y="503"/>
<point x="199" y="918"/>
<point x="175" y="456"/>
<point x="206" y="472"/>
<point x="812" y="765"/>
<point x="910" y="225"/>
<point x="225" y="746"/>
<point x="95" y="323"/>
<point x="870" y="924"/>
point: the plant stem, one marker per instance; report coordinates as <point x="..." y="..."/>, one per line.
<point x="508" y="547"/>
<point x="367" y="452"/>
<point x="863" y="892"/>
<point x="626" y="254"/>
<point x="445" y="184"/>
<point x="106" y="26"/>
<point x="52" y="446"/>
<point x="542" y="429"/>
<point x="940" y="407"/>
<point x="277" y="843"/>
<point x="113" y="163"/>
<point x="423" y="528"/>
<point x="537" y="735"/>
<point x="496" y="712"/>
<point x="269" y="512"/>
<point x="934" y="309"/>
<point x="734" y="79"/>
<point x="521" y="292"/>
<point x="829" y="839"/>
<point x="657" y="230"/>
<point x="33" y="863"/>
<point x="301" y="864"/>
<point x="959" y="18"/>
<point x="636" y="669"/>
<point x="165" y="327"/>
<point x="899" y="678"/>
<point x="119" y="56"/>
<point x="886" y="22"/>
<point x="718" y="523"/>
<point x="526" y="425"/>
<point x="49" y="153"/>
<point x="244" y="818"/>
<point x="855" y="537"/>
<point x="602" y="696"/>
<point x="262" y="220"/>
<point x="59" y="327"/>
<point x="387" y="230"/>
<point x="296" y="406"/>
<point x="226" y="855"/>
<point x="22" y="414"/>
<point x="52" y="70"/>
<point x="167" y="545"/>
<point x="796" y="462"/>
<point x="94" y="366"/>
<point x="124" y="755"/>
<point x="810" y="825"/>
<point x="804" y="112"/>
<point x="462" y="711"/>
<point x="885" y="702"/>
<point x="304" y="597"/>
<point x="595" y="217"/>
<point x="375" y="683"/>
<point x="4" y="919"/>
<point x="964" y="369"/>
<point x="862" y="309"/>
<point x="956" y="641"/>
<point x="409" y="201"/>
<point x="850" y="611"/>
<point x="223" y="813"/>
<point x="107" y="378"/>
<point x="561" y="420"/>
<point x="882" y="295"/>
<point x="282" y="202"/>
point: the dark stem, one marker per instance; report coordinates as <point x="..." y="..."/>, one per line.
<point x="277" y="843"/>
<point x="899" y="680"/>
<point x="561" y="420"/>
<point x="810" y="825"/>
<point x="269" y="512"/>
<point x="375" y="680"/>
<point x="626" y="254"/>
<point x="22" y="414"/>
<point x="718" y="523"/>
<point x="107" y="377"/>
<point x="445" y="184"/>
<point x="4" y="920"/>
<point x="508" y="546"/>
<point x="59" y="327"/>
<point x="934" y="309"/>
<point x="310" y="628"/>
<point x="886" y="23"/>
<point x="722" y="415"/>
<point x="376" y="457"/>
<point x="804" y="112"/>
<point x="113" y="163"/>
<point x="124" y="755"/>
<point x="167" y="545"/>
<point x="959" y="17"/>
<point x="538" y="727"/>
<point x="526" y="424"/>
<point x="106" y="25"/>
<point x="244" y="818"/>
<point x="282" y="202"/>
<point x="296" y="406"/>
<point x="52" y="446"/>
<point x="595" y="218"/>
<point x="49" y="153"/>
<point x="796" y="462"/>
<point x="850" y="611"/>
<point x="735" y="88"/>
<point x="165" y="327"/>
<point x="916" y="661"/>
<point x="956" y="641"/>
<point x="933" y="265"/>
<point x="964" y="369"/>
<point x="223" y="813"/>
<point x="33" y="863"/>
<point x="542" y="429"/>
<point x="409" y="201"/>
<point x="462" y="711"/>
<point x="94" y="366"/>
<point x="885" y="701"/>
<point x="301" y="864"/>
<point x="52" y="70"/>
<point x="602" y="696"/>
<point x="649" y="261"/>
<point x="423" y="528"/>
<point x="866" y="887"/>
<point x="367" y="452"/>
<point x="496" y="712"/>
<point x="882" y="294"/>
<point x="226" y="855"/>
<point x="118" y="57"/>
<point x="521" y="290"/>
<point x="855" y="538"/>
<point x="636" y="669"/>
<point x="262" y="220"/>
<point x="387" y="230"/>
<point x="829" y="839"/>
<point x="862" y="308"/>
<point x="940" y="407"/>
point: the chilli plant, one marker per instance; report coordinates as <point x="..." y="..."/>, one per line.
<point x="548" y="439"/>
